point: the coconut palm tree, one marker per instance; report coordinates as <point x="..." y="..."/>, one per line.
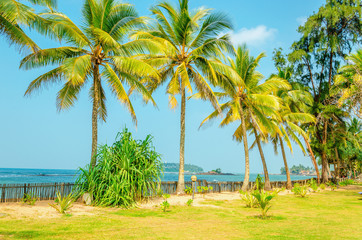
<point x="250" y="102"/>
<point x="348" y="84"/>
<point x="290" y="117"/>
<point x="14" y="14"/>
<point x="96" y="53"/>
<point x="191" y="44"/>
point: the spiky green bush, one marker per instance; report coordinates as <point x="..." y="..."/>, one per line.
<point x="127" y="171"/>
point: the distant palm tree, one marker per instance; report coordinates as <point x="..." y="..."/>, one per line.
<point x="14" y="14"/>
<point x="94" y="54"/>
<point x="191" y="44"/>
<point x="250" y="102"/>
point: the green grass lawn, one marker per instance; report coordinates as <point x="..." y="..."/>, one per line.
<point x="326" y="215"/>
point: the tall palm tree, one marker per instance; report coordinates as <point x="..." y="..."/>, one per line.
<point x="94" y="54"/>
<point x="191" y="44"/>
<point x="250" y="102"/>
<point x="348" y="84"/>
<point x="290" y="117"/>
<point x="15" y="14"/>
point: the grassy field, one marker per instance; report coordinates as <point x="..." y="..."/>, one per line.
<point x="325" y="215"/>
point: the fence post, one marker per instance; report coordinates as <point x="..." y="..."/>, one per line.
<point x="3" y="193"/>
<point x="219" y="187"/>
<point x="25" y="189"/>
<point x="62" y="189"/>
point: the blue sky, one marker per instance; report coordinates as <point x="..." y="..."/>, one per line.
<point x="34" y="135"/>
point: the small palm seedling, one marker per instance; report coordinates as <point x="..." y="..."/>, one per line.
<point x="263" y="199"/>
<point x="63" y="203"/>
<point x="188" y="190"/>
<point x="165" y="204"/>
<point x="301" y="191"/>
<point x="189" y="202"/>
<point x="249" y="200"/>
<point x="29" y="198"/>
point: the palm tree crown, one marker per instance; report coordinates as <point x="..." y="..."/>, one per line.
<point x="94" y="54"/>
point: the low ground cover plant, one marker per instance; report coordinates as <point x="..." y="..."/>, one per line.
<point x="63" y="203"/>
<point x="313" y="185"/>
<point x="249" y="199"/>
<point x="189" y="202"/>
<point x="301" y="191"/>
<point x="346" y="182"/>
<point x="165" y="204"/>
<point x="188" y="190"/>
<point x="30" y="198"/>
<point x="204" y="189"/>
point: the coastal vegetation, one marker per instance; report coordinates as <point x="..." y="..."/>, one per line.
<point x="289" y="218"/>
<point x="126" y="172"/>
<point x="312" y="99"/>
<point x="174" y="167"/>
<point x="298" y="170"/>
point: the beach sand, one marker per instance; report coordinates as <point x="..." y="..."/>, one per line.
<point x="41" y="209"/>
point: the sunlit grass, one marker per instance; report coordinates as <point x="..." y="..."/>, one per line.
<point x="322" y="215"/>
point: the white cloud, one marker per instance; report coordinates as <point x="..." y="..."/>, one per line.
<point x="254" y="36"/>
<point x="301" y="20"/>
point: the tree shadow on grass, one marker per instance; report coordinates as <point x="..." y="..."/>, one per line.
<point x="21" y="234"/>
<point x="270" y="217"/>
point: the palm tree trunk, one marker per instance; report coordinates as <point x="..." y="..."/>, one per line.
<point x="181" y="180"/>
<point x="267" y="186"/>
<point x="313" y="160"/>
<point x="338" y="163"/>
<point x="246" y="150"/>
<point x="95" y="114"/>
<point x="289" y="180"/>
<point x="325" y="167"/>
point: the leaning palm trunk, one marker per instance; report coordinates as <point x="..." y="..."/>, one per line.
<point x="246" y="149"/>
<point x="313" y="159"/>
<point x="267" y="186"/>
<point x="289" y="181"/>
<point x="95" y="115"/>
<point x="181" y="179"/>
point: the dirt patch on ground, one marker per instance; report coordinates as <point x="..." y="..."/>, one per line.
<point x="41" y="209"/>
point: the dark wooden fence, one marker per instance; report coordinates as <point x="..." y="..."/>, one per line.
<point x="48" y="191"/>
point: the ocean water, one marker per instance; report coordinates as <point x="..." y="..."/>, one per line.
<point x="18" y="175"/>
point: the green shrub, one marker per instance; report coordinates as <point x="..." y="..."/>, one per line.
<point x="165" y="204"/>
<point x="204" y="189"/>
<point x="127" y="171"/>
<point x="189" y="202"/>
<point x="300" y="190"/>
<point x="263" y="198"/>
<point x="346" y="182"/>
<point x="322" y="186"/>
<point x="30" y="198"/>
<point x="63" y="203"/>
<point x="313" y="185"/>
<point x="188" y="190"/>
<point x="332" y="185"/>
<point x="249" y="200"/>
<point x="259" y="183"/>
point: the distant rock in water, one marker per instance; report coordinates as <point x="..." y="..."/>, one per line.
<point x="214" y="173"/>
